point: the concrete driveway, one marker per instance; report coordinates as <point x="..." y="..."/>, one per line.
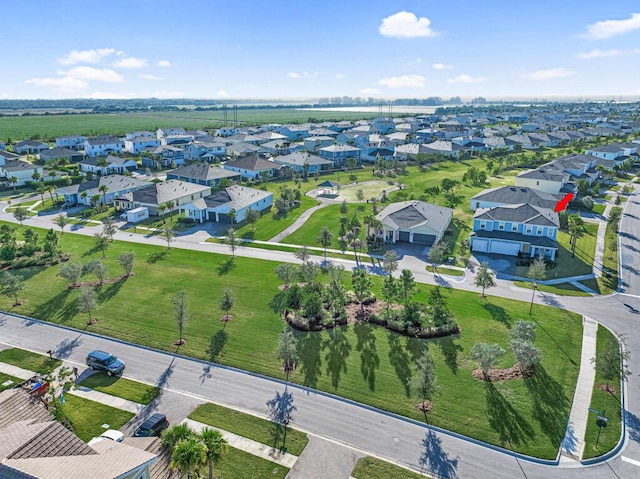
<point x="500" y="264"/>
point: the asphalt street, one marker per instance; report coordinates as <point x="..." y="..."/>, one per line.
<point x="362" y="428"/>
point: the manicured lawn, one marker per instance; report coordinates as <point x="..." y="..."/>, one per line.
<point x="370" y="189"/>
<point x="87" y="417"/>
<point x="121" y="387"/>
<point x="606" y="402"/>
<point x="237" y="464"/>
<point x="372" y="468"/>
<point x="564" y="289"/>
<point x="361" y="362"/>
<point x="28" y="360"/>
<point x="445" y="270"/>
<point x="248" y="426"/>
<point x="605" y="285"/>
<point x="599" y="208"/>
<point x="328" y="216"/>
<point x="7" y="377"/>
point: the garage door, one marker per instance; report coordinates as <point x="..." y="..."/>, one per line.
<point x="421" y="238"/>
<point x="503" y="247"/>
<point x="482" y="246"/>
<point x="404" y="236"/>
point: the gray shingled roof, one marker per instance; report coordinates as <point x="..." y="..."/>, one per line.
<point x="236" y="196"/>
<point x="171" y="190"/>
<point x="18" y="165"/>
<point x="202" y="171"/>
<point x="252" y="163"/>
<point x="300" y="158"/>
<point x="512" y="195"/>
<point x="113" y="183"/>
<point x="526" y="214"/>
<point x="409" y="214"/>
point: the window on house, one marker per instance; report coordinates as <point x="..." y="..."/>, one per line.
<point x="514" y="227"/>
<point x="483" y="225"/>
<point x="537" y="182"/>
<point x="501" y="226"/>
<point x="529" y="229"/>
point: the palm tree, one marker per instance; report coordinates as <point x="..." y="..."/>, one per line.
<point x="103" y="189"/>
<point x="13" y="180"/>
<point x="84" y="195"/>
<point x="189" y="456"/>
<point x="36" y="176"/>
<point x="175" y="434"/>
<point x="50" y="190"/>
<point x="216" y="447"/>
<point x="41" y="189"/>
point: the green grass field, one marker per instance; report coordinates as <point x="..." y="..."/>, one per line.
<point x="608" y="403"/>
<point x="28" y="360"/>
<point x="87" y="417"/>
<point x="121" y="387"/>
<point x="237" y="464"/>
<point x="361" y="362"/>
<point x="564" y="289"/>
<point x="6" y="377"/>
<point x="248" y="426"/>
<point x="372" y="468"/>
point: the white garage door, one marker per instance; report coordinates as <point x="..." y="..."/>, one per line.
<point x="503" y="247"/>
<point x="482" y="246"/>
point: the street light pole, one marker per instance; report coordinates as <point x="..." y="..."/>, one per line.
<point x="533" y="295"/>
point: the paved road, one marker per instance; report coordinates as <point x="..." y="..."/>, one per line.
<point x="368" y="430"/>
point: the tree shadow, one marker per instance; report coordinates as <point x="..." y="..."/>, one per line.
<point x="249" y="235"/>
<point x="399" y="359"/>
<point x="550" y="404"/>
<point x="226" y="266"/>
<point x="504" y="419"/>
<point x="279" y="302"/>
<point x="554" y="341"/>
<point x="498" y="313"/>
<point x="216" y="347"/>
<point x="310" y="362"/>
<point x="65" y="347"/>
<point x="157" y="256"/>
<point x="51" y="308"/>
<point x="450" y="352"/>
<point x="206" y="373"/>
<point x="338" y="351"/>
<point x="550" y="300"/>
<point x="280" y="410"/>
<point x="105" y="293"/>
<point x="633" y="426"/>
<point x="366" y="346"/>
<point x="435" y="460"/>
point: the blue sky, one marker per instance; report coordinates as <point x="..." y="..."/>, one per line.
<point x="308" y="49"/>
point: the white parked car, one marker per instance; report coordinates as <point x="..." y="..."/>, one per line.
<point x="110" y="434"/>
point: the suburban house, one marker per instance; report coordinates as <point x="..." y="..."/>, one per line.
<point x="252" y="167"/>
<point x="312" y="143"/>
<point x="514" y="195"/>
<point x="446" y="148"/>
<point x="217" y="206"/>
<point x="413" y="221"/>
<point x="109" y="165"/>
<point x="34" y="445"/>
<point x="203" y="174"/>
<point x="205" y="151"/>
<point x="516" y="230"/>
<point x="23" y="171"/>
<point x="138" y="144"/>
<point x="162" y="132"/>
<point x="242" y="149"/>
<point x="74" y="142"/>
<point x="178" y="141"/>
<point x="373" y="154"/>
<point x="227" y="131"/>
<point x="163" y="156"/>
<point x="171" y="193"/>
<point x="102" y="145"/>
<point x="7" y="156"/>
<point x="297" y="162"/>
<point x="29" y="147"/>
<point x="294" y="132"/>
<point x="61" y="152"/>
<point x="339" y="154"/>
<point x="549" y="179"/>
<point x="410" y="150"/>
<point x="615" y="151"/>
<point x="116" y="186"/>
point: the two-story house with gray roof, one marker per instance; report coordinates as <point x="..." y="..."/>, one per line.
<point x="102" y="145"/>
<point x="203" y="174"/>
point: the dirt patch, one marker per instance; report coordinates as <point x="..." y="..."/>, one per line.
<point x="179" y="342"/>
<point x="98" y="283"/>
<point x="424" y="406"/>
<point x="225" y="318"/>
<point x="610" y="389"/>
<point x="282" y="287"/>
<point x="495" y="375"/>
<point x="356" y="313"/>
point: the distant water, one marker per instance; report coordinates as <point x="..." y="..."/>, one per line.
<point x="419" y="110"/>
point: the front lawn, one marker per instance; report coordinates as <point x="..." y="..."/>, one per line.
<point x="87" y="417"/>
<point x="237" y="464"/>
<point x="360" y="361"/>
<point x="121" y="387"/>
<point x="28" y="360"/>
<point x="248" y="426"/>
<point x="564" y="289"/>
<point x="6" y="377"/>
<point x="372" y="468"/>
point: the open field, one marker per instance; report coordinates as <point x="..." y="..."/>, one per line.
<point x="361" y="362"/>
<point x="370" y="189"/>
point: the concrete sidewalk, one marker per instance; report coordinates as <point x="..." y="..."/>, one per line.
<point x="16" y="371"/>
<point x="107" y="399"/>
<point x="572" y="445"/>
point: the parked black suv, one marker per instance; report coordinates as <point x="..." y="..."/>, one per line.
<point x="104" y="362"/>
<point x="152" y="426"/>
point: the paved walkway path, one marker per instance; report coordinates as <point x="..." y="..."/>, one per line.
<point x="573" y="442"/>
<point x="299" y="222"/>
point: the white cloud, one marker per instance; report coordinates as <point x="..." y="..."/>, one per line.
<point x="131" y="62"/>
<point x="293" y="75"/>
<point x="609" y="28"/>
<point x="222" y="93"/>
<point x="86" y="56"/>
<point x="339" y="76"/>
<point x="441" y="66"/>
<point x="597" y="53"/>
<point x="404" y="81"/>
<point x="164" y="63"/>
<point x="89" y="73"/>
<point x="406" y="25"/>
<point x="548" y="74"/>
<point x="149" y="76"/>
<point x="464" y="78"/>
<point x="65" y="83"/>
<point x="370" y="91"/>
<point x="296" y="75"/>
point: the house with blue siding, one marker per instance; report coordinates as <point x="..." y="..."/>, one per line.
<point x="339" y="153"/>
<point x="516" y="230"/>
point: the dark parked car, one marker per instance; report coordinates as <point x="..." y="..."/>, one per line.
<point x="104" y="362"/>
<point x="152" y="426"/>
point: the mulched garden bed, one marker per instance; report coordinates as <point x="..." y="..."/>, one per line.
<point x="496" y="375"/>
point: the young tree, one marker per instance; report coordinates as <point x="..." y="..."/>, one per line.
<point x="71" y="272"/>
<point x="62" y="221"/>
<point x="324" y="240"/>
<point x="611" y="362"/>
<point x="361" y="284"/>
<point x="438" y="312"/>
<point x="51" y="243"/>
<point x="12" y="285"/>
<point x="21" y="214"/>
<point x="168" y="233"/>
<point x="389" y="262"/>
<point x="424" y="380"/>
<point x="389" y="292"/>
<point x="98" y="268"/>
<point x="344" y="208"/>
<point x="287" y="350"/>
<point x="486" y="355"/>
<point x="303" y="254"/>
<point x="437" y="253"/>
<point x="407" y="286"/>
<point x="576" y="231"/>
<point x="216" y="446"/>
<point x="232" y="241"/>
<point x="522" y="343"/>
<point x="109" y="227"/>
<point x="309" y="271"/>
<point x="485" y="278"/>
<point x="287" y="273"/>
<point x="227" y="301"/>
<point x="14" y="181"/>
<point x="179" y="302"/>
<point x="252" y="216"/>
<point x="102" y="243"/>
<point x="87" y="301"/>
<point x="537" y="270"/>
<point x="126" y="260"/>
